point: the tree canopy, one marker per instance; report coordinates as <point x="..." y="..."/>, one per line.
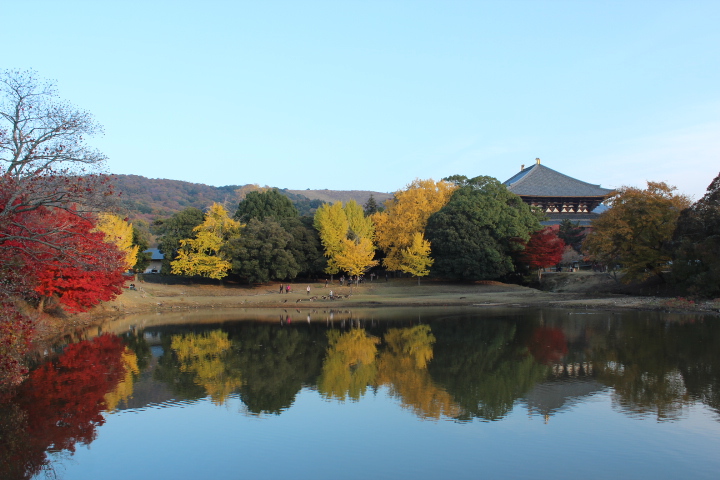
<point x="696" y="266"/>
<point x="204" y="254"/>
<point x="407" y="214"/>
<point x="347" y="237"/>
<point x="265" y="204"/>
<point x="475" y="236"/>
<point x="260" y="253"/>
<point x="636" y="231"/>
<point x="174" y="229"/>
<point x="544" y="249"/>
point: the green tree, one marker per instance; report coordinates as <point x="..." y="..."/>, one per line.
<point x="571" y="233"/>
<point x="173" y="229"/>
<point x="305" y="245"/>
<point x="260" y="253"/>
<point x="476" y="235"/>
<point x="371" y="206"/>
<point x="265" y="204"/>
<point x="696" y="266"/>
<point x="140" y="239"/>
<point x="636" y="231"/>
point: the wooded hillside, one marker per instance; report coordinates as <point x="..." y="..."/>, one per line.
<point x="150" y="198"/>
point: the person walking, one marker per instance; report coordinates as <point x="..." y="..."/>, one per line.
<point x="308" y="290"/>
<point x="282" y="287"/>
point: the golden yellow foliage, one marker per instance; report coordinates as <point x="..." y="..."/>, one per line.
<point x="202" y="255"/>
<point x="346" y="235"/>
<point x="416" y="258"/>
<point x="120" y="233"/>
<point x="407" y="214"/>
<point x="355" y="257"/>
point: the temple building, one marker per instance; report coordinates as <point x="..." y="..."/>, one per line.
<point x="560" y="197"/>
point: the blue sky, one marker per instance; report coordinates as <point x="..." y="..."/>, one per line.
<point x="369" y="95"/>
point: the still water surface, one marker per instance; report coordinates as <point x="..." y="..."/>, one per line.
<point x="417" y="394"/>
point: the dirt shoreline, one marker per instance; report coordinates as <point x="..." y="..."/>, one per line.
<point x="582" y="290"/>
<point x="574" y="291"/>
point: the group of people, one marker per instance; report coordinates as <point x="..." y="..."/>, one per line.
<point x="287" y="288"/>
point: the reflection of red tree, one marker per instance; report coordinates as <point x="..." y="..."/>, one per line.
<point x="547" y="345"/>
<point x="63" y="400"/>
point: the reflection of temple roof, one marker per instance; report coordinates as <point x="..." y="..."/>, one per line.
<point x="541" y="181"/>
<point x="556" y="395"/>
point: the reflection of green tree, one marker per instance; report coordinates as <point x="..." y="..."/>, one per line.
<point x="349" y="365"/>
<point x="276" y="363"/>
<point x="484" y="365"/>
<point x="660" y="367"/>
<point x="699" y="361"/>
<point x="205" y="355"/>
<point x="402" y="367"/>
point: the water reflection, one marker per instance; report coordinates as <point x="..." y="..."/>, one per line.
<point x="468" y="367"/>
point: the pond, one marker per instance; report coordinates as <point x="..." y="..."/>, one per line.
<point x="394" y="393"/>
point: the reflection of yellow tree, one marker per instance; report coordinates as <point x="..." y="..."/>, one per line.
<point x="403" y="368"/>
<point x="204" y="356"/>
<point x="124" y="389"/>
<point x="349" y="365"/>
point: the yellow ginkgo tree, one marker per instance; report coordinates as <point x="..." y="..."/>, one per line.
<point x="407" y="214"/>
<point x="347" y="237"/>
<point x="120" y="233"/>
<point x="203" y="254"/>
<point x="416" y="258"/>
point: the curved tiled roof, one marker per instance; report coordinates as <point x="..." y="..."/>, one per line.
<point x="541" y="181"/>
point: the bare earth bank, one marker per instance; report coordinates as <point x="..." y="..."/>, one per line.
<point x="575" y="290"/>
<point x="580" y="290"/>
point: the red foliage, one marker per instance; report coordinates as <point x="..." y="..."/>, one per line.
<point x="543" y="249"/>
<point x="70" y="262"/>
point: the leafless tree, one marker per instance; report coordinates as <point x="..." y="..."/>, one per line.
<point x="44" y="159"/>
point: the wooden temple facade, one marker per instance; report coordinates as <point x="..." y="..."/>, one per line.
<point x="558" y="195"/>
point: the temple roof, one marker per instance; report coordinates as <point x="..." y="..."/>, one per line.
<point x="541" y="181"/>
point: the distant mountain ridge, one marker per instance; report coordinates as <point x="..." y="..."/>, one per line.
<point x="151" y="198"/>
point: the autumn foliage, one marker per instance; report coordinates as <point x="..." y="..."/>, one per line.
<point x="544" y="249"/>
<point x="60" y="405"/>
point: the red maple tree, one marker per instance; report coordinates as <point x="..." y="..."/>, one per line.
<point x="72" y="262"/>
<point x="544" y="249"/>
